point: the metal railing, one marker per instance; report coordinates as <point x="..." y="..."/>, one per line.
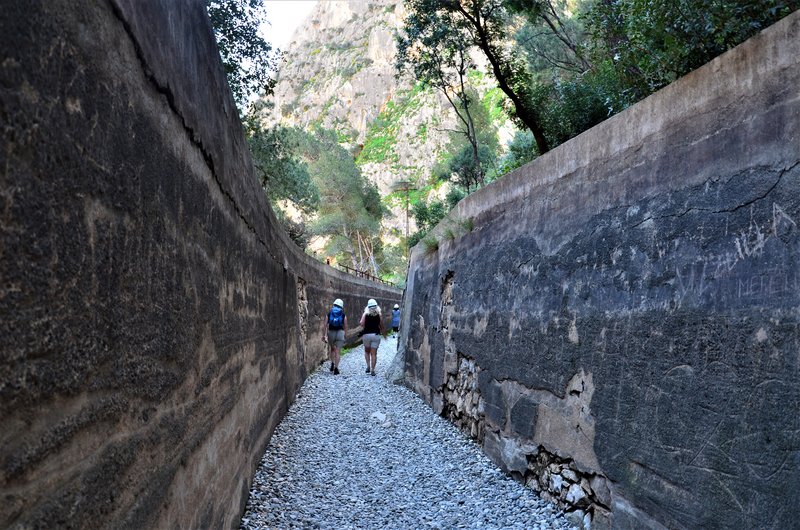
<point x="362" y="274"/>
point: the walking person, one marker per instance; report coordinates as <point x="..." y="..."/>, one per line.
<point x="395" y="320"/>
<point x="372" y="328"/>
<point x="335" y="331"/>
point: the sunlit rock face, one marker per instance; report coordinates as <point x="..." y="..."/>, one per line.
<point x="339" y="72"/>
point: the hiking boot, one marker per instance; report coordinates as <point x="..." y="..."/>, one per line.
<point x="367" y="370"/>
<point x="332" y="367"/>
<point x="372" y="372"/>
<point x="335" y="371"/>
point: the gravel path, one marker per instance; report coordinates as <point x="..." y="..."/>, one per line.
<point x="356" y="451"/>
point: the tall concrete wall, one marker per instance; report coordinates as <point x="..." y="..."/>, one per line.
<point x="154" y="322"/>
<point x="617" y="322"/>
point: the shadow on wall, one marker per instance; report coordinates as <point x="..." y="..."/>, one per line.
<point x="156" y="321"/>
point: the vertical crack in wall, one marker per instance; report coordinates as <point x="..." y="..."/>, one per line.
<point x="193" y="136"/>
<point x="302" y="315"/>
<point x="462" y="400"/>
<point x="450" y="356"/>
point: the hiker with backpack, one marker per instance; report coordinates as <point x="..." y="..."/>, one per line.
<point x="335" y="330"/>
<point x="372" y="329"/>
<point x="395" y="319"/>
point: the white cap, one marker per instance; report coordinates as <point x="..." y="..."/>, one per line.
<point x="372" y="303"/>
<point x="396" y="306"/>
<point x="338" y="302"/>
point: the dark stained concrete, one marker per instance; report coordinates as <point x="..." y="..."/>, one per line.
<point x="155" y="323"/>
<point x="631" y="302"/>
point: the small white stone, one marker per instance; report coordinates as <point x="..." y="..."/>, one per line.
<point x="575" y="494"/>
<point x="556" y="482"/>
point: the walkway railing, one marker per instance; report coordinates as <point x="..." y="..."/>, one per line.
<point x="363" y="274"/>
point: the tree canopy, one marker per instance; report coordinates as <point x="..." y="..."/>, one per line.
<point x="247" y="58"/>
<point x="482" y="24"/>
<point x="563" y="65"/>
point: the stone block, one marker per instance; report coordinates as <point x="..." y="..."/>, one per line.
<point x="569" y="475"/>
<point x="494" y="402"/>
<point x="556" y="483"/>
<point x="600" y="489"/>
<point x="523" y="417"/>
<point x="576" y="496"/>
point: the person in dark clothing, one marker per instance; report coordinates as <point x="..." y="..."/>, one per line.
<point x="372" y="329"/>
<point x="395" y="319"/>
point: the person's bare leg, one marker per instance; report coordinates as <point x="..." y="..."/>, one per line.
<point x="366" y="357"/>
<point x="336" y="357"/>
<point x="373" y="359"/>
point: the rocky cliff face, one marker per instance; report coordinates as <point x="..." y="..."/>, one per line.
<point x="339" y="73"/>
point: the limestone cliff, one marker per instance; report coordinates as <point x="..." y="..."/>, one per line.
<point x="338" y="72"/>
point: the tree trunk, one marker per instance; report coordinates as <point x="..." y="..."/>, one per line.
<point x="523" y="111"/>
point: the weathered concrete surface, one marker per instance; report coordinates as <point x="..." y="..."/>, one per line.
<point x="628" y="305"/>
<point x="154" y="322"/>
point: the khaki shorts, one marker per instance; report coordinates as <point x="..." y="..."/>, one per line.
<point x="336" y="337"/>
<point x="371" y="340"/>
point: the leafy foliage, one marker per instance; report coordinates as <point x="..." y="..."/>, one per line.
<point x="552" y="37"/>
<point x="247" y="58"/>
<point x="466" y="173"/>
<point x="562" y="65"/>
<point x="350" y="209"/>
<point x="650" y="43"/>
<point x="438" y="55"/>
<point x="521" y="150"/>
<point x="282" y="174"/>
<point x="435" y="34"/>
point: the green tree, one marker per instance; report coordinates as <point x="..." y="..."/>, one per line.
<point x="427" y="214"/>
<point x="650" y="43"/>
<point x="553" y="37"/>
<point x="282" y="174"/>
<point x="433" y="49"/>
<point x="465" y="171"/>
<point x="350" y="209"/>
<point x="484" y="24"/>
<point x="246" y="57"/>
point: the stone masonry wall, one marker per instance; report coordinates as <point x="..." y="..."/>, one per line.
<point x="155" y="323"/>
<point x="617" y="322"/>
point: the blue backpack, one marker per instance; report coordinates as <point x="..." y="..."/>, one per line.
<point x="336" y="318"/>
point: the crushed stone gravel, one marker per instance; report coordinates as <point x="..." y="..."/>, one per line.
<point x="356" y="451"/>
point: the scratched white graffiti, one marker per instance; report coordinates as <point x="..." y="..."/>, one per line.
<point x="751" y="243"/>
<point x="697" y="279"/>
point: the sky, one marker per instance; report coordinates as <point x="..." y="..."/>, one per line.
<point x="284" y="16"/>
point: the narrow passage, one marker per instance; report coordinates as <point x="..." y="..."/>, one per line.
<point x="356" y="451"/>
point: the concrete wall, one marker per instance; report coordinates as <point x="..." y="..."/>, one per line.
<point x="154" y="322"/>
<point x="617" y="322"/>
